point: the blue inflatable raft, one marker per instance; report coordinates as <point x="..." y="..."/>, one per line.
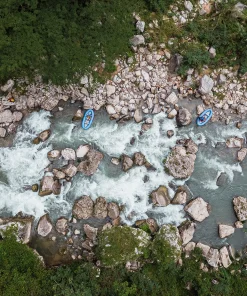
<point x="204" y="117"/>
<point x="87" y="119"/>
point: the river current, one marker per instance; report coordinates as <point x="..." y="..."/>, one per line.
<point x="24" y="163"/>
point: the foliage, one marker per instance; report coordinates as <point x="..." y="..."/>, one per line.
<point x="159" y="5"/>
<point x="21" y="272"/>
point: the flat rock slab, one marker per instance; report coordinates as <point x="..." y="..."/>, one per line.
<point x="198" y="209"/>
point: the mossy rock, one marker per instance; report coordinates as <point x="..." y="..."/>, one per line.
<point x="121" y="244"/>
<point x="167" y="245"/>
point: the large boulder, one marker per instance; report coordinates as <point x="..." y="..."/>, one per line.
<point x="206" y="85"/>
<point x="160" y="197"/>
<point x="49" y="103"/>
<point x="68" y="154"/>
<point x="225" y="230"/>
<point x="241" y="154"/>
<point x="139" y="159"/>
<point x="127" y="163"/>
<point x="224" y="257"/>
<point x="82" y="150"/>
<point x="113" y="210"/>
<point x="198" y="209"/>
<point x="90" y="163"/>
<point x="22" y="225"/>
<point x="48" y="186"/>
<point x="235" y="142"/>
<point x="172" y="98"/>
<point x="62" y="225"/>
<point x="17" y="116"/>
<point x="83" y="208"/>
<point x="100" y="208"/>
<point x="6" y="116"/>
<point x="240" y="207"/>
<point x="213" y="257"/>
<point x="184" y="117"/>
<point x="167" y="245"/>
<point x="180" y="163"/>
<point x="44" y="225"/>
<point x="121" y="244"/>
<point x="180" y="197"/>
<point x="186" y="231"/>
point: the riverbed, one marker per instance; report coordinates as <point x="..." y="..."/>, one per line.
<point x="24" y="164"/>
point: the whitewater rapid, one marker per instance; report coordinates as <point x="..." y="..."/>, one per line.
<point x="24" y="164"/>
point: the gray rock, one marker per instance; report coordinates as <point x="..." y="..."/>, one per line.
<point x="190" y="146"/>
<point x="110" y="90"/>
<point x="198" y="209"/>
<point x="127" y="163"/>
<point x="172" y="114"/>
<point x="115" y="161"/>
<point x="221" y="79"/>
<point x="139" y="159"/>
<point x="82" y="150"/>
<point x="137" y="40"/>
<point x="140" y="25"/>
<point x="240" y="207"/>
<point x="180" y="197"/>
<point x="223" y="179"/>
<point x="113" y="210"/>
<point x="170" y="133"/>
<point x="8" y="86"/>
<point x="62" y="225"/>
<point x="17" y="116"/>
<point x="49" y="103"/>
<point x="90" y="165"/>
<point x="110" y="110"/>
<point x="44" y="225"/>
<point x="58" y="174"/>
<point x="184" y="117"/>
<point x="90" y="232"/>
<point x="70" y="170"/>
<point x="68" y="154"/>
<point x="186" y="231"/>
<point x="225" y="230"/>
<point x="53" y="155"/>
<point x="6" y="116"/>
<point x="213" y="257"/>
<point x="160" y="197"/>
<point x="188" y="5"/>
<point x="235" y="142"/>
<point x="43" y="136"/>
<point x="100" y="208"/>
<point x="241" y="154"/>
<point x="83" y="208"/>
<point x="84" y="80"/>
<point x="238" y="10"/>
<point x="199" y="109"/>
<point x="172" y="98"/>
<point x="48" y="186"/>
<point x="206" y="84"/>
<point x="212" y="52"/>
<point x="2" y="132"/>
<point x="138" y="115"/>
<point x="174" y="63"/>
<point x="224" y="257"/>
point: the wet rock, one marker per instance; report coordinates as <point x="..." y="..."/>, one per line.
<point x="8" y="86"/>
<point x="68" y="154"/>
<point x="43" y="136"/>
<point x="225" y="230"/>
<point x="180" y="197"/>
<point x="83" y="208"/>
<point x="199" y="109"/>
<point x="115" y="161"/>
<point x="240" y="207"/>
<point x="152" y="225"/>
<point x="22" y="224"/>
<point x="49" y="103"/>
<point x="2" y="132"/>
<point x="184" y="117"/>
<point x="238" y="224"/>
<point x="90" y="232"/>
<point x="140" y="25"/>
<point x="58" y="174"/>
<point x="62" y="225"/>
<point x="53" y="155"/>
<point x="36" y="141"/>
<point x="160" y="197"/>
<point x="17" y="116"/>
<point x="206" y="85"/>
<point x="224" y="257"/>
<point x="48" y="186"/>
<point x="138" y="115"/>
<point x="139" y="159"/>
<point x="6" y="116"/>
<point x="137" y="40"/>
<point x="238" y="125"/>
<point x="190" y="146"/>
<point x="186" y="231"/>
<point x="172" y="98"/>
<point x="179" y="163"/>
<point x="70" y="170"/>
<point x="113" y="210"/>
<point x="90" y="165"/>
<point x="35" y="187"/>
<point x="170" y="133"/>
<point x="235" y="142"/>
<point x="222" y="180"/>
<point x="82" y="150"/>
<point x="213" y="257"/>
<point x="78" y="115"/>
<point x="44" y="225"/>
<point x="198" y="209"/>
<point x="241" y="154"/>
<point x="127" y="163"/>
<point x="100" y="208"/>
